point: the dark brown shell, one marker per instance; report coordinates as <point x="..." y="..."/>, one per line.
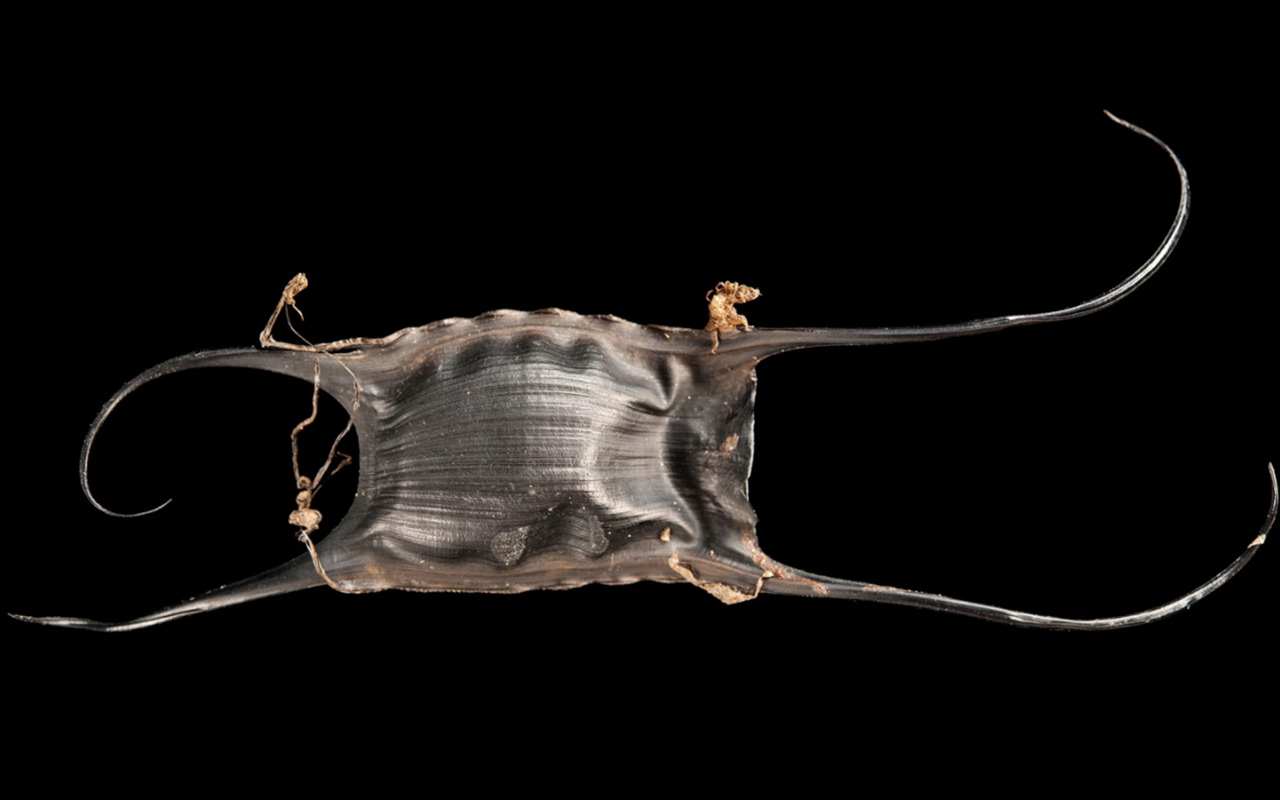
<point x="853" y="435"/>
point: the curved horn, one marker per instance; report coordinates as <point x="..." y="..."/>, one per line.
<point x="761" y="342"/>
<point x="299" y="366"/>
<point x="857" y="590"/>
<point x="293" y="576"/>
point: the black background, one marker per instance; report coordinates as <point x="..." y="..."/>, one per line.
<point x="1089" y="468"/>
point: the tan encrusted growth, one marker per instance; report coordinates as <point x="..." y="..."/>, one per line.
<point x="729" y="595"/>
<point x="305" y="517"/>
<point x="723" y="316"/>
<point x="774" y="568"/>
<point x="289" y="298"/>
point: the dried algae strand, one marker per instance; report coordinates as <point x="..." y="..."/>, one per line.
<point x="720" y="306"/>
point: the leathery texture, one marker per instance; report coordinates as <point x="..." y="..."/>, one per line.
<point x="524" y="450"/>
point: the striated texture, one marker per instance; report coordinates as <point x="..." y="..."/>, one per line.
<point x="531" y="450"/>
<point x="518" y="451"/>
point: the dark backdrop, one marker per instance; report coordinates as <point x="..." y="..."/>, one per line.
<point x="1089" y="468"/>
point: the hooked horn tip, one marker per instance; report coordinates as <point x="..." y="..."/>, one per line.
<point x="1116" y="119"/>
<point x="107" y="627"/>
<point x="120" y="515"/>
<point x="64" y="622"/>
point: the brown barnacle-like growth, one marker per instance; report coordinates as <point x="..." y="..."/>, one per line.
<point x="724" y="317"/>
<point x="635" y="442"/>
